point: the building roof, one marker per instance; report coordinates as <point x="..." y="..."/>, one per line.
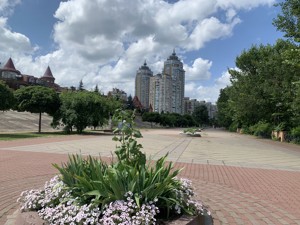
<point x="10" y="66"/>
<point x="173" y="56"/>
<point x="48" y="73"/>
<point x="145" y="67"/>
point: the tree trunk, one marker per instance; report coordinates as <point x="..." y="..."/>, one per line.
<point x="40" y="122"/>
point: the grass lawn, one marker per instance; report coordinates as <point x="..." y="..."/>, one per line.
<point x="16" y="136"/>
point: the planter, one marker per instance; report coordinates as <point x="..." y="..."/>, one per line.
<point x="25" y="218"/>
<point x="279" y="135"/>
<point x="32" y="218"/>
<point x="191" y="134"/>
<point x="202" y="220"/>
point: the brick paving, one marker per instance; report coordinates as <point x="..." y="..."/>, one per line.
<point x="239" y="187"/>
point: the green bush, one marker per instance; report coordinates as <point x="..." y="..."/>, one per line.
<point x="191" y="130"/>
<point x="261" y="129"/>
<point x="280" y="127"/>
<point x="295" y="135"/>
<point x="233" y="127"/>
<point x="246" y="130"/>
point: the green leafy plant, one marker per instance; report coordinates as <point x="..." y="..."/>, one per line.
<point x="129" y="150"/>
<point x="280" y="127"/>
<point x="262" y="129"/>
<point x="191" y="130"/>
<point x="295" y="134"/>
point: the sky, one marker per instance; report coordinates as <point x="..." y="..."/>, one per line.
<point x="104" y="42"/>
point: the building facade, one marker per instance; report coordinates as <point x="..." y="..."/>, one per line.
<point x="174" y="68"/>
<point x="191" y="104"/>
<point x="166" y="90"/>
<point x="15" y="79"/>
<point x="161" y="93"/>
<point x="142" y="85"/>
<point x="118" y="94"/>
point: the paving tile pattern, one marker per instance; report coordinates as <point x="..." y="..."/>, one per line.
<point x="13" y="121"/>
<point x="234" y="193"/>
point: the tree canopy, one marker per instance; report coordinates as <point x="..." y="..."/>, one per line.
<point x="265" y="87"/>
<point x="289" y="19"/>
<point x="82" y="108"/>
<point x="262" y="87"/>
<point x="200" y="115"/>
<point x="7" y="99"/>
<point x="37" y="99"/>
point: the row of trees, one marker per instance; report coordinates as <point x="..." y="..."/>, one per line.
<point x="265" y="86"/>
<point x="198" y="118"/>
<point x="77" y="109"/>
<point x="80" y="109"/>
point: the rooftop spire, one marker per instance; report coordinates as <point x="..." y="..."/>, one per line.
<point x="174" y="53"/>
<point x="48" y="73"/>
<point x="173" y="56"/>
<point x="9" y="65"/>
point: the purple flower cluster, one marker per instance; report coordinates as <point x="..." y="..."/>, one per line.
<point x="54" y="192"/>
<point x="128" y="213"/>
<point x="54" y="204"/>
<point x="71" y="213"/>
<point x="31" y="200"/>
<point x="185" y="195"/>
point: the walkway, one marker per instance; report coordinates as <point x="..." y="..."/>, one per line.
<point x="243" y="180"/>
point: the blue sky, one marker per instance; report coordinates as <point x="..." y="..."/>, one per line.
<point x="104" y="43"/>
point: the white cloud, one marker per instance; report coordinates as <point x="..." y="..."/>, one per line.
<point x="209" y="93"/>
<point x="243" y="4"/>
<point x="6" y="6"/>
<point x="209" y="29"/>
<point x="223" y="80"/>
<point x="199" y="70"/>
<point x="13" y="42"/>
<point x="104" y="42"/>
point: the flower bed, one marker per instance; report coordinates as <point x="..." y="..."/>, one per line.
<point x="129" y="191"/>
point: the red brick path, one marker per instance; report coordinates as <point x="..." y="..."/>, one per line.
<point x="234" y="195"/>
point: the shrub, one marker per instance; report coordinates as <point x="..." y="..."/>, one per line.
<point x="295" y="135"/>
<point x="191" y="130"/>
<point x="280" y="127"/>
<point x="261" y="129"/>
<point x="246" y="130"/>
<point x="233" y="127"/>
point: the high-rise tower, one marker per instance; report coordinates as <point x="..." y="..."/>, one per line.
<point x="142" y="83"/>
<point x="174" y="68"/>
<point x="161" y="93"/>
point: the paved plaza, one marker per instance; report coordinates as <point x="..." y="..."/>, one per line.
<point x="242" y="179"/>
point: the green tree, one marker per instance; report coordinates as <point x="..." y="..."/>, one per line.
<point x="296" y="105"/>
<point x="289" y="23"/>
<point x="82" y="109"/>
<point x="152" y="117"/>
<point x="96" y="89"/>
<point x="200" y="115"/>
<point x="262" y="85"/>
<point x="37" y="99"/>
<point x="188" y="120"/>
<point x="224" y="114"/>
<point x="289" y="19"/>
<point x="7" y="99"/>
<point x="80" y="86"/>
<point x="129" y="104"/>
